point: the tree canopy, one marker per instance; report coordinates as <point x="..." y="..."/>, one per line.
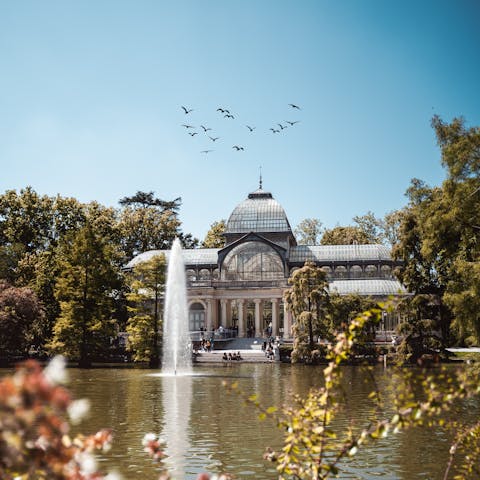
<point x="309" y="231"/>
<point x="214" y="237"/>
<point x="440" y="232"/>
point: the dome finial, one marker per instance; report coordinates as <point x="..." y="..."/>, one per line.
<point x="260" y="183"/>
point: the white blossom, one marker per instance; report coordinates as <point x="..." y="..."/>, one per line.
<point x="55" y="371"/>
<point x="78" y="409"/>
<point x="149" y="437"/>
<point x="87" y="463"/>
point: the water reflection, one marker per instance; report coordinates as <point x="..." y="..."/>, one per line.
<point x="177" y="402"/>
<point x="207" y="429"/>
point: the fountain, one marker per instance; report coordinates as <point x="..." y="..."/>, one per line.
<point x="177" y="354"/>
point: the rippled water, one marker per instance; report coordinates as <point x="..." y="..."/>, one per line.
<point x="207" y="429"/>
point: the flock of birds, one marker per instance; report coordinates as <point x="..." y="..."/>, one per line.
<point x="204" y="130"/>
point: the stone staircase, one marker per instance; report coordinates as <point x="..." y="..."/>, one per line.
<point x="250" y="349"/>
<point x="249" y="356"/>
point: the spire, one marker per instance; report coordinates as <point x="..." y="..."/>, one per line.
<point x="260" y="183"/>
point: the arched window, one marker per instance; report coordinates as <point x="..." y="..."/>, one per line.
<point x="340" y="271"/>
<point x="327" y="270"/>
<point x="204" y="274"/>
<point x="371" y="271"/>
<point x="252" y="261"/>
<point x="196" y="316"/>
<point x="216" y="274"/>
<point x="356" y="271"/>
<point x="191" y="275"/>
<point x="386" y="271"/>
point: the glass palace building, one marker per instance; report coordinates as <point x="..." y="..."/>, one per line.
<point x="240" y="287"/>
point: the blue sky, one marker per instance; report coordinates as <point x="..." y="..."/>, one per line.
<point x="91" y="95"/>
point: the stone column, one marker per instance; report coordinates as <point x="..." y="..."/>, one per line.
<point x="287" y="322"/>
<point x="258" y="329"/>
<point x="241" y="319"/>
<point x="209" y="316"/>
<point x="223" y="318"/>
<point x="274" y="317"/>
<point x="228" y="321"/>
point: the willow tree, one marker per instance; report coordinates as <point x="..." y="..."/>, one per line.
<point x="147" y="285"/>
<point x="308" y="300"/>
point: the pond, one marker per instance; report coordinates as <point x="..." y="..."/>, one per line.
<point x="207" y="429"/>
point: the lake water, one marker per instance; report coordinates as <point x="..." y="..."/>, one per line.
<point x="207" y="429"/>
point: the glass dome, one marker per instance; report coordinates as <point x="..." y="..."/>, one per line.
<point x="252" y="261"/>
<point x="260" y="212"/>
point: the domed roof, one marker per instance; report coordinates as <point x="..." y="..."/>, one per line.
<point x="260" y="212"/>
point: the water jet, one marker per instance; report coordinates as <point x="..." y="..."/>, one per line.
<point x="177" y="351"/>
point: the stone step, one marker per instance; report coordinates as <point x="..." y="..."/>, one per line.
<point x="252" y="356"/>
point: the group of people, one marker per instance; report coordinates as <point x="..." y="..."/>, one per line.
<point x="267" y="347"/>
<point x="206" y="345"/>
<point x="231" y="356"/>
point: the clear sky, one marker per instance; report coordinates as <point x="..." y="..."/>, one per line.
<point x="91" y="94"/>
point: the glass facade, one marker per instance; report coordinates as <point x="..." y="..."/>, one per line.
<point x="253" y="261"/>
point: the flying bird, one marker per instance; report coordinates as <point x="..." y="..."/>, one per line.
<point x="206" y="151"/>
<point x="186" y="110"/>
<point x="213" y="139"/>
<point x="281" y="126"/>
<point x="187" y="126"/>
<point x="222" y="110"/>
<point x="205" y="129"/>
<point x="228" y="115"/>
<point x="192" y="133"/>
<point x="237" y="148"/>
<point x="294" y="106"/>
<point x="292" y="123"/>
<point x="250" y="128"/>
<point x="275" y="131"/>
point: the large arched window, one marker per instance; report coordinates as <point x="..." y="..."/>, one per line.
<point x="196" y="317"/>
<point x="252" y="261"/>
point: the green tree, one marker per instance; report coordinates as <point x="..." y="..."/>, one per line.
<point x="344" y="236"/>
<point x="419" y="329"/>
<point x="308" y="300"/>
<point x="144" y="326"/>
<point x="371" y="225"/>
<point x="148" y="223"/>
<point x="391" y="227"/>
<point x="343" y="308"/>
<point x="21" y="316"/>
<point x="309" y="231"/>
<point x="440" y="232"/>
<point x="214" y="237"/>
<point x="87" y="283"/>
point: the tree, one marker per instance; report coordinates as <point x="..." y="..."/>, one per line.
<point x="147" y="199"/>
<point x="147" y="284"/>
<point x="214" y="237"/>
<point x="308" y="300"/>
<point x="21" y="317"/>
<point x="309" y="231"/>
<point x="391" y="226"/>
<point x="419" y="329"/>
<point x="344" y="236"/>
<point x="343" y="308"/>
<point x="440" y="232"/>
<point x="148" y="223"/>
<point x="86" y="286"/>
<point x="371" y="226"/>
